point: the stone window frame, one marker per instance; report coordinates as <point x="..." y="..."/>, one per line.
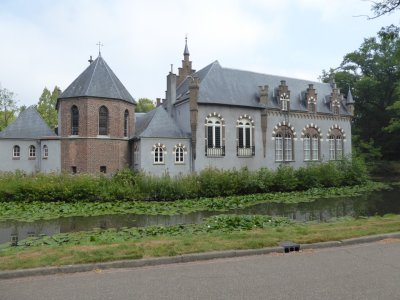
<point x="214" y="126"/>
<point x="312" y="104"/>
<point x="284" y="102"/>
<point x="284" y="136"/>
<point x="336" y="138"/>
<point x="16" y="152"/>
<point x="45" y="152"/>
<point x="245" y="136"/>
<point x="179" y="153"/>
<point x="311" y="136"/>
<point x="159" y="153"/>
<point x="32" y="152"/>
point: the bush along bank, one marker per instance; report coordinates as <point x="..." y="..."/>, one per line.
<point x="128" y="185"/>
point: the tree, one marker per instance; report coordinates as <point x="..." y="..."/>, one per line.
<point x="47" y="106"/>
<point x="144" y="105"/>
<point x="373" y="72"/>
<point x="8" y="107"/>
<point x="380" y="8"/>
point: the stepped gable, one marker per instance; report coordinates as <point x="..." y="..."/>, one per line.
<point x="98" y="80"/>
<point x="233" y="87"/>
<point x="28" y="125"/>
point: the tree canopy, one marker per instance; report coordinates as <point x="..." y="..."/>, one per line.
<point x="380" y="8"/>
<point x="47" y="106"/>
<point x="144" y="105"/>
<point x="8" y="107"/>
<point x="373" y="73"/>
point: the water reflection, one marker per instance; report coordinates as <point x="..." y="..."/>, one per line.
<point x="378" y="203"/>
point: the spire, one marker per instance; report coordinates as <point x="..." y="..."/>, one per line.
<point x="186" y="51"/>
<point x="349" y="99"/>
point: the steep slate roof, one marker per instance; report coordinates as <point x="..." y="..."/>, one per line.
<point x="349" y="99"/>
<point x="241" y="88"/>
<point x="29" y="124"/>
<point x="158" y="124"/>
<point x="98" y="80"/>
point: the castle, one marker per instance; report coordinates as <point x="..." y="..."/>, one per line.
<point x="215" y="117"/>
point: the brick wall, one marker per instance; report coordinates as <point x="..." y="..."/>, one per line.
<point x="88" y="151"/>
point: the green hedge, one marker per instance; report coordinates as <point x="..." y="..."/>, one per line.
<point x="128" y="185"/>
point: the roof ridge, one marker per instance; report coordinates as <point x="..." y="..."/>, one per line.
<point x="108" y="69"/>
<point x="92" y="75"/>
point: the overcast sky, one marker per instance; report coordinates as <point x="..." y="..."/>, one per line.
<point x="46" y="43"/>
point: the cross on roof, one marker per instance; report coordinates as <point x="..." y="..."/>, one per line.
<point x="100" y="45"/>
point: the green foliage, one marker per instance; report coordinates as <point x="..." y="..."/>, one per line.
<point x="47" y="106"/>
<point x="8" y="108"/>
<point x="144" y="105"/>
<point x="373" y="74"/>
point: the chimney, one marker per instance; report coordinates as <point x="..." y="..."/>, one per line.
<point x="158" y="102"/>
<point x="171" y="92"/>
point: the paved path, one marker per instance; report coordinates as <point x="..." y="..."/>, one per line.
<point x="366" y="271"/>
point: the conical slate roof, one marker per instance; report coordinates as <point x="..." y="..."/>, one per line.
<point x="349" y="99"/>
<point x="29" y="124"/>
<point x="98" y="80"/>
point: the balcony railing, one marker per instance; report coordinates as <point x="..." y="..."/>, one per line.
<point x="215" y="152"/>
<point x="245" y="152"/>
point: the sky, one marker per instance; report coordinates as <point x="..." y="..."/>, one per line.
<point x="47" y="43"/>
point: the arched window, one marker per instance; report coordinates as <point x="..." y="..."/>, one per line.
<point x="284" y="144"/>
<point x="45" y="151"/>
<point x="312" y="103"/>
<point x="180" y="151"/>
<point x="103" y="120"/>
<point x="159" y="152"/>
<point x="16" y="151"/>
<point x="74" y="120"/>
<point x="245" y="146"/>
<point x="126" y="123"/>
<point x="311" y="144"/>
<point x="335" y="145"/>
<point x="214" y="133"/>
<point x="32" y="151"/>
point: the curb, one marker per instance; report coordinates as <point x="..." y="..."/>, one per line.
<point x="185" y="258"/>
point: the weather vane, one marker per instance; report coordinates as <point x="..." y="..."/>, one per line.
<point x="100" y="45"/>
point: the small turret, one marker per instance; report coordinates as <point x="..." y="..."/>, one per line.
<point x="350" y="102"/>
<point x="186" y="68"/>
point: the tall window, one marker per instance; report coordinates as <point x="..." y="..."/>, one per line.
<point x="74" y="120"/>
<point x="45" y="151"/>
<point x="103" y="121"/>
<point x="285" y="99"/>
<point x="214" y="131"/>
<point x="16" y="151"/>
<point x="311" y="144"/>
<point x="32" y="151"/>
<point x="284" y="144"/>
<point x="245" y="137"/>
<point x="159" y="152"/>
<point x="335" y="145"/>
<point x="312" y="102"/>
<point x="179" y="154"/>
<point x="126" y="123"/>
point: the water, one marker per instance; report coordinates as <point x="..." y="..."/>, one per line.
<point x="377" y="203"/>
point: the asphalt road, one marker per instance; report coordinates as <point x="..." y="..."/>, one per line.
<point x="366" y="271"/>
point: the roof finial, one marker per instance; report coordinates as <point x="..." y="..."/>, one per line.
<point x="100" y="45"/>
<point x="90" y="59"/>
<point x="186" y="51"/>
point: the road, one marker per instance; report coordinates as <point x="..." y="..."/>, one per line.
<point x="365" y="271"/>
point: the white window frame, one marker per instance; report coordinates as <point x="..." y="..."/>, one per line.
<point x="16" y="153"/>
<point x="179" y="155"/>
<point x="45" y="151"/>
<point x="32" y="151"/>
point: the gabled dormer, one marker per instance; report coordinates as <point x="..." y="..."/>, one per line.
<point x="311" y="99"/>
<point x="336" y="100"/>
<point x="284" y="96"/>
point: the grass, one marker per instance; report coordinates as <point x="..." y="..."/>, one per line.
<point x="235" y="233"/>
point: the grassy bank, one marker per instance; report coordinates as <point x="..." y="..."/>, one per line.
<point x="217" y="233"/>
<point x="36" y="210"/>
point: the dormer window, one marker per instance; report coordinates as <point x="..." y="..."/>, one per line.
<point x="335" y="107"/>
<point x="284" y="98"/>
<point x="312" y="103"/>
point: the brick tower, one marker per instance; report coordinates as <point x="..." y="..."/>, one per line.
<point x="96" y="119"/>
